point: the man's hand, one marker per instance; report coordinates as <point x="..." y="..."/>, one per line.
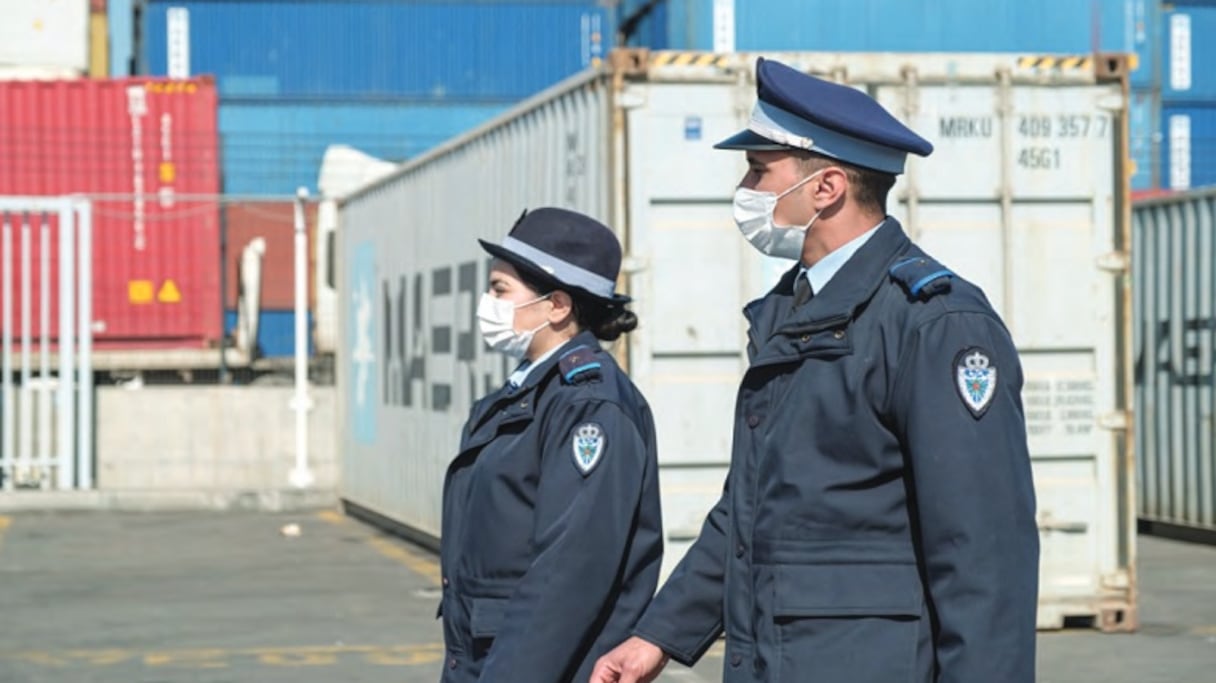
<point x="633" y="661"/>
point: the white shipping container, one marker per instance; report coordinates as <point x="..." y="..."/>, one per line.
<point x="44" y="37"/>
<point x="1025" y="195"/>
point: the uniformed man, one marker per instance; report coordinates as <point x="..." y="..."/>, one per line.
<point x="878" y="520"/>
<point x="551" y="540"/>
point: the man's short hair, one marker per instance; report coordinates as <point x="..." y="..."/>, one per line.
<point x="869" y="188"/>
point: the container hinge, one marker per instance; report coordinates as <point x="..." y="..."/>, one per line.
<point x="629" y="61"/>
<point x="1114" y="262"/>
<point x="1117" y="420"/>
<point x="1048" y="522"/>
<point x="1112" y="102"/>
<point x="631" y="97"/>
<point x="1117" y="580"/>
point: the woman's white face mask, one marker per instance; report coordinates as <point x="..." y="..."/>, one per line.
<point x="496" y="319"/>
<point x="754" y="216"/>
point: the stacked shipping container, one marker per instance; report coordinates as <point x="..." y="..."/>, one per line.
<point x="1174" y="285"/>
<point x="1188" y="96"/>
<point x="148" y="149"/>
<point x="243" y="222"/>
<point x="392" y="79"/>
<point x="1026" y="26"/>
<point x="41" y="39"/>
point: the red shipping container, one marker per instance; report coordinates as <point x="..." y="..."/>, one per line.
<point x="147" y="149"/>
<point x="275" y="223"/>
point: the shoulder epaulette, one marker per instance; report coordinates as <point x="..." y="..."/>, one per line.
<point x="580" y="364"/>
<point x="921" y="277"/>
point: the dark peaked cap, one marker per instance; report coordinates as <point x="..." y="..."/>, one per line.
<point x="565" y="249"/>
<point x="797" y="110"/>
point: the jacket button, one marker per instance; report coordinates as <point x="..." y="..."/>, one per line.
<point x="753" y="420"/>
<point x="740" y="550"/>
<point x="452" y="663"/>
<point x="838" y="334"/>
<point x="805" y="338"/>
<point x="445" y="581"/>
<point x="736" y="659"/>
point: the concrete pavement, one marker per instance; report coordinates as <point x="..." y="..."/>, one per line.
<point x="228" y="597"/>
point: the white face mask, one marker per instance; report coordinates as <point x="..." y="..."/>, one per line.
<point x="754" y="216"/>
<point x="496" y="318"/>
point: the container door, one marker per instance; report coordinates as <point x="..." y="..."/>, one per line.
<point x="1022" y="204"/>
<point x="694" y="276"/>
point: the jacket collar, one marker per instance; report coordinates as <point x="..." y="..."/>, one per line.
<point x="507" y="405"/>
<point x="541" y="372"/>
<point x="853" y="285"/>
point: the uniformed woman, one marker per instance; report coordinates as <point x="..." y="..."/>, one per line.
<point x="551" y="538"/>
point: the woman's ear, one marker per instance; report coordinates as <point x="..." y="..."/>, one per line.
<point x="562" y="310"/>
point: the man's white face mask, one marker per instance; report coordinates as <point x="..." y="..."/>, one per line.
<point x="754" y="216"/>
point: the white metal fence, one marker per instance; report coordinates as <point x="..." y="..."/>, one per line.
<point x="45" y="309"/>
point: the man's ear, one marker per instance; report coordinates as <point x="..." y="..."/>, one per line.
<point x="833" y="183"/>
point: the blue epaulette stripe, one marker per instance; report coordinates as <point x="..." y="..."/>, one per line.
<point x="582" y="368"/>
<point x="903" y="263"/>
<point x="570" y="351"/>
<point x="927" y="279"/>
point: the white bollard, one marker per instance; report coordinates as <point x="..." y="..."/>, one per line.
<point x="301" y="476"/>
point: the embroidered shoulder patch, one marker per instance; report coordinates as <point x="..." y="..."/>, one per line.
<point x="589" y="443"/>
<point x="975" y="379"/>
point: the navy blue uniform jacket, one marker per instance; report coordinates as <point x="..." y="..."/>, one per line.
<point x="876" y="526"/>
<point x="551" y="539"/>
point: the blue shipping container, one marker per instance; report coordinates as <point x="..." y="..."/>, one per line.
<point x="1144" y="111"/>
<point x="273" y="148"/>
<point x="121" y="18"/>
<point x="1190" y="53"/>
<point x="1028" y="26"/>
<point x="276" y="333"/>
<point x="1189" y="145"/>
<point x="470" y="50"/>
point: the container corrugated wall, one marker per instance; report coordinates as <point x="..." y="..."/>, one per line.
<point x="898" y="25"/>
<point x="142" y="143"/>
<point x="1190" y="53"/>
<point x="1023" y="196"/>
<point x="1175" y="310"/>
<point x="1188" y="96"/>
<point x="1189" y="140"/>
<point x="1145" y="140"/>
<point x="415" y="360"/>
<point x="272" y="148"/>
<point x="428" y="50"/>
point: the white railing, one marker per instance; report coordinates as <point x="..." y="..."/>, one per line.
<point x="30" y="456"/>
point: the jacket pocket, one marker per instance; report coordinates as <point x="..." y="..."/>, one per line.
<point x="487" y="617"/>
<point x="847" y="622"/>
<point x="838" y="590"/>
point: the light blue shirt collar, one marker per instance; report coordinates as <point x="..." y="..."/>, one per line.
<point x="521" y="373"/>
<point x="822" y="272"/>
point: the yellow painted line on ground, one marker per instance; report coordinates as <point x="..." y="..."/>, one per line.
<point x="423" y="565"/>
<point x="1203" y="631"/>
<point x="417" y="563"/>
<point x="331" y="516"/>
<point x="5" y="522"/>
<point x="218" y="658"/>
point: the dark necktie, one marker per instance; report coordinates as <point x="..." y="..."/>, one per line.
<point x="802" y="290"/>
